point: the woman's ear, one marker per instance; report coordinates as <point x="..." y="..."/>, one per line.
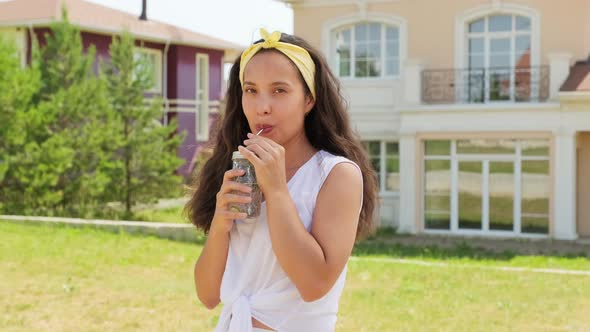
<point x="309" y="103"/>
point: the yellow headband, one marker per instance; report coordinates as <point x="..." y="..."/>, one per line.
<point x="298" y="55"/>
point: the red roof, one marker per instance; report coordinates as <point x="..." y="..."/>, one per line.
<point x="97" y="18"/>
<point x="578" y="79"/>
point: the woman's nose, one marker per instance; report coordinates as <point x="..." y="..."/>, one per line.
<point x="264" y="105"/>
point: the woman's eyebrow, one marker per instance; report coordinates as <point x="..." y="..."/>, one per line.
<point x="273" y="83"/>
<point x="280" y="83"/>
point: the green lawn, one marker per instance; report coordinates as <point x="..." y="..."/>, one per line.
<point x="171" y="215"/>
<point x="56" y="278"/>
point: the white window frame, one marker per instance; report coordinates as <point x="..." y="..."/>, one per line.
<point x="452" y="202"/>
<point x="496" y="8"/>
<point x="454" y="159"/>
<point x="383" y="56"/>
<point x="201" y="106"/>
<point x="329" y="42"/>
<point x="19" y="36"/>
<point x="382" y="176"/>
<point x="157" y="87"/>
<point x="487" y="36"/>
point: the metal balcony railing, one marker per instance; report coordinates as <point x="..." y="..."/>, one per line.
<point x="485" y="85"/>
<point x="184" y="106"/>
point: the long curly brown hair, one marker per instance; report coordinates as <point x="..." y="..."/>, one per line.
<point x="327" y="127"/>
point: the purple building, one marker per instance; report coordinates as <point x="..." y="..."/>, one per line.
<point x="187" y="66"/>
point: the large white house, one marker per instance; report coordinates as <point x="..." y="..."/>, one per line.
<point x="476" y="114"/>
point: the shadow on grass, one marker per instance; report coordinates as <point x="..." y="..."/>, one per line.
<point x="386" y="242"/>
<point x="186" y="235"/>
<point x="458" y="251"/>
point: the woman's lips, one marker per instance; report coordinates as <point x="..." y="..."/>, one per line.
<point x="265" y="129"/>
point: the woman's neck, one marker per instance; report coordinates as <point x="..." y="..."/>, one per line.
<point x="297" y="151"/>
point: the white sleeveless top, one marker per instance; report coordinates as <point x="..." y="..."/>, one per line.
<point x="255" y="285"/>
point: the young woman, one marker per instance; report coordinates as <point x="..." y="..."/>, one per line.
<point x="286" y="270"/>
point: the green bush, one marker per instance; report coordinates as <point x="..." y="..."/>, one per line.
<point x="72" y="141"/>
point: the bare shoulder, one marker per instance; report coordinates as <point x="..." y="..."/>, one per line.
<point x="344" y="182"/>
<point x="336" y="213"/>
<point x="345" y="174"/>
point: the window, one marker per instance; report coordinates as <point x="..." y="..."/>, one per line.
<point x="367" y="50"/>
<point x="18" y="37"/>
<point x="498" y="56"/>
<point x="437" y="185"/>
<point x="152" y="60"/>
<point x="384" y="157"/>
<point x="488" y="185"/>
<point x="536" y="186"/>
<point x="202" y="97"/>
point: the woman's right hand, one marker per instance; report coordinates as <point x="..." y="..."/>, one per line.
<point x="223" y="218"/>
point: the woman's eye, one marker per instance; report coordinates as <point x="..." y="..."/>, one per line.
<point x="279" y="90"/>
<point x="249" y="90"/>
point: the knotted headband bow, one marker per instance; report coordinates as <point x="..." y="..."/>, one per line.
<point x="298" y="55"/>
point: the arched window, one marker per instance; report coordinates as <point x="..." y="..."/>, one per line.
<point x="500" y="43"/>
<point x="366" y="49"/>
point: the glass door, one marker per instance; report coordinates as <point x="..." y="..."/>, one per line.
<point x="482" y="185"/>
<point x="501" y="188"/>
<point x="485" y="190"/>
<point x="470" y="195"/>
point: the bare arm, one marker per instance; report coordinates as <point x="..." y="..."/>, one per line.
<point x="210" y="266"/>
<point x="313" y="261"/>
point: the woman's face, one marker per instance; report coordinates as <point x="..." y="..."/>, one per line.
<point x="274" y="98"/>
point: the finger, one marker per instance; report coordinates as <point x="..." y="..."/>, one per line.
<point x="234" y="186"/>
<point x="233" y="198"/>
<point x="263" y="139"/>
<point x="250" y="155"/>
<point x="277" y="150"/>
<point x="232" y="214"/>
<point x="232" y="173"/>
<point x="265" y="144"/>
<point x="262" y="154"/>
<point x="226" y="199"/>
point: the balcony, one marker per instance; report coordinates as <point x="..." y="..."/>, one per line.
<point x="189" y="106"/>
<point x="485" y="85"/>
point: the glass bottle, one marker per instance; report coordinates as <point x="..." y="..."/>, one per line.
<point x="249" y="179"/>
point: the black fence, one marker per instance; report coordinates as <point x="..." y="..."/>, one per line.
<point x="485" y="85"/>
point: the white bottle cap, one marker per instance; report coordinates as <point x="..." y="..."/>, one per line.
<point x="237" y="155"/>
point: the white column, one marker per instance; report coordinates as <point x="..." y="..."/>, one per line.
<point x="559" y="68"/>
<point x="564" y="195"/>
<point x="412" y="81"/>
<point x="407" y="174"/>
